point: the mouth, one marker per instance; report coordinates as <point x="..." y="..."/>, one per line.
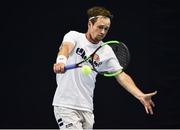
<point x="100" y="36"/>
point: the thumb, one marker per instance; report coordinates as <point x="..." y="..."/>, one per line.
<point x="152" y="94"/>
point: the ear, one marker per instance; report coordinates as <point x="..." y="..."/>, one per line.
<point x="89" y="23"/>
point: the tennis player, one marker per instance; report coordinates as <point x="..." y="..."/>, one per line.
<point x="73" y="99"/>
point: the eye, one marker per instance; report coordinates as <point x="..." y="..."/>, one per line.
<point x="103" y="27"/>
<point x="106" y="28"/>
<point x="100" y="27"/>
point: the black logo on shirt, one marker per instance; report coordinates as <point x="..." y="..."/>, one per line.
<point x="69" y="125"/>
<point x="96" y="59"/>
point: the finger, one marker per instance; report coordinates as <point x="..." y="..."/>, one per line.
<point x="146" y="109"/>
<point x="57" y="68"/>
<point x="152" y="103"/>
<point x="62" y="68"/>
<point x="152" y="94"/>
<point x="151" y="111"/>
<point x="54" y="68"/>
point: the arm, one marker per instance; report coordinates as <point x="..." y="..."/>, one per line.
<point x="64" y="51"/>
<point x="126" y="82"/>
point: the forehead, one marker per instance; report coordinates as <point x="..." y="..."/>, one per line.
<point x="103" y="21"/>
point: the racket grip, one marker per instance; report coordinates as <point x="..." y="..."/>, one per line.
<point x="68" y="67"/>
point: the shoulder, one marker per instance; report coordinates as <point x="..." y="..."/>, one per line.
<point x="72" y="32"/>
<point x="107" y="47"/>
<point x="73" y="37"/>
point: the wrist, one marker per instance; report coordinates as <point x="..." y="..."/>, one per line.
<point x="139" y="96"/>
<point x="61" y="59"/>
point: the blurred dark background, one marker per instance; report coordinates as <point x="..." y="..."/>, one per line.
<point x="32" y="32"/>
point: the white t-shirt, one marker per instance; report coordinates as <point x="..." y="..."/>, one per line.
<point x="74" y="89"/>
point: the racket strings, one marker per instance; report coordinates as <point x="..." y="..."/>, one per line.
<point x="122" y="54"/>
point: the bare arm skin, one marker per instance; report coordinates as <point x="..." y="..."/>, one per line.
<point x="64" y="50"/>
<point x="126" y="82"/>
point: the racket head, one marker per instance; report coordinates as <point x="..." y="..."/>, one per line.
<point x="122" y="54"/>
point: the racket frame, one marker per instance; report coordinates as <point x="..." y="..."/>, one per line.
<point x="77" y="65"/>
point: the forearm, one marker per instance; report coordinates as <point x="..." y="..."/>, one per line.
<point x="126" y="82"/>
<point x="65" y="49"/>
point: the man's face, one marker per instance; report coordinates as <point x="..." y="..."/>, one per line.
<point x="99" y="29"/>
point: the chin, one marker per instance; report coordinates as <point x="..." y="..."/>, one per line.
<point x="99" y="38"/>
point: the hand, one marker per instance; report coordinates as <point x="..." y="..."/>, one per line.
<point x="58" y="68"/>
<point x="147" y="102"/>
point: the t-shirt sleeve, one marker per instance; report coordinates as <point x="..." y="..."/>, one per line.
<point x="109" y="61"/>
<point x="113" y="65"/>
<point x="71" y="36"/>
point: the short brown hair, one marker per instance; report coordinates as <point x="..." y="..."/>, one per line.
<point x="98" y="11"/>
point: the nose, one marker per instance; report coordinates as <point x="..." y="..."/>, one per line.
<point x="103" y="31"/>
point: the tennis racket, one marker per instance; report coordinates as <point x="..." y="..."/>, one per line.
<point x="120" y="50"/>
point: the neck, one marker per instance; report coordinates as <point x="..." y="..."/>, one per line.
<point x="89" y="38"/>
